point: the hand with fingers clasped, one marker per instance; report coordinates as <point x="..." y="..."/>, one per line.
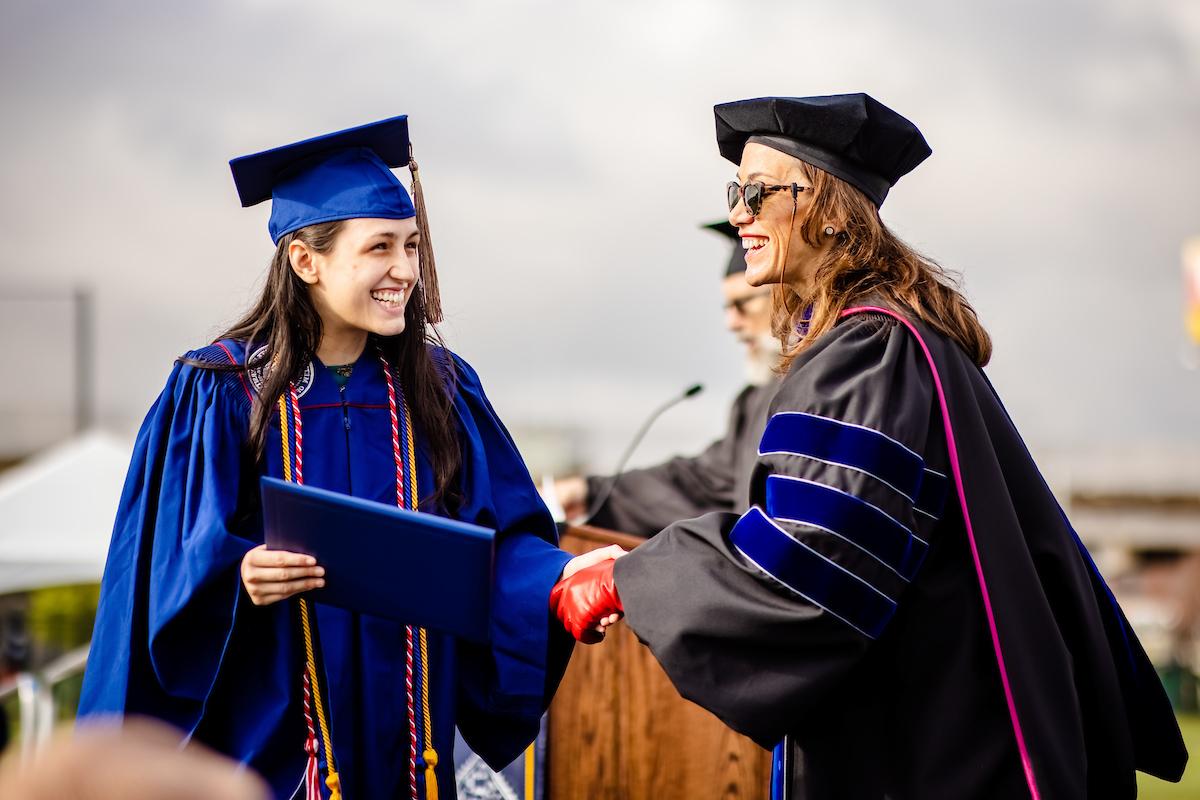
<point x="273" y="575"/>
<point x="585" y="600"/>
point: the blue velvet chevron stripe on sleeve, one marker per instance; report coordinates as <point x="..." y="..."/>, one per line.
<point x="847" y="445"/>
<point x="844" y="516"/>
<point x="862" y="524"/>
<point x="820" y="580"/>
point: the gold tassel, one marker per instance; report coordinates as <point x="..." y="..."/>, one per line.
<point x="429" y="280"/>
<point x="430" y="754"/>
<point x="431" y="759"/>
<point x="310" y="662"/>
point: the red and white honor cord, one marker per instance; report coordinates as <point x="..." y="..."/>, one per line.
<point x="410" y="692"/>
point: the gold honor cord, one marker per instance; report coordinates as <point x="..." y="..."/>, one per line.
<point x="332" y="780"/>
<point x="430" y="754"/>
<point x="530" y="769"/>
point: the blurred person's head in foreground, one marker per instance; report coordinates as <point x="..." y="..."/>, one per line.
<point x="139" y="759"/>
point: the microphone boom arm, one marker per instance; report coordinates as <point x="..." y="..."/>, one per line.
<point x="692" y="391"/>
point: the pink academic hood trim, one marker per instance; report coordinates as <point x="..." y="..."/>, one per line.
<point x="1026" y="763"/>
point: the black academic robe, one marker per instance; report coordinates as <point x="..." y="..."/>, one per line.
<point x="905" y="597"/>
<point x="644" y="501"/>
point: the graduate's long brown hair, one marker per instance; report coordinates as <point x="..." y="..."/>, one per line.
<point x="286" y="321"/>
<point x="867" y="259"/>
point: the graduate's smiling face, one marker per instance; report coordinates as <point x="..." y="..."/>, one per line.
<point x="362" y="283"/>
<point x="776" y="251"/>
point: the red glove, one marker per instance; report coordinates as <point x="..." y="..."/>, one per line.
<point x="585" y="598"/>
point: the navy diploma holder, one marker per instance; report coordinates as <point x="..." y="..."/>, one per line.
<point x="418" y="568"/>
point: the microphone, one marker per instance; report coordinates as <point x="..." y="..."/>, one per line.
<point x="691" y="391"/>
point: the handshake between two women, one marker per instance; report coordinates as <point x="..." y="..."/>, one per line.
<point x="585" y="599"/>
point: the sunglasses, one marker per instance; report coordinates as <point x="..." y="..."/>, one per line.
<point x="752" y="194"/>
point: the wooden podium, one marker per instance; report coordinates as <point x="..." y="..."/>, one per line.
<point x="620" y="731"/>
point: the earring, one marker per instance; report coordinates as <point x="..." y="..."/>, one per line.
<point x="829" y="230"/>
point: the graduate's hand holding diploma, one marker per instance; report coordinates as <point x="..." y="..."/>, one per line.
<point x="273" y="575"/>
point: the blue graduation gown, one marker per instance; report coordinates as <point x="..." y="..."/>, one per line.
<point x="177" y="637"/>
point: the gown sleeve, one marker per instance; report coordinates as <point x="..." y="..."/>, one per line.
<point x="505" y="687"/>
<point x="644" y="501"/>
<point x="171" y="583"/>
<point x="757" y="617"/>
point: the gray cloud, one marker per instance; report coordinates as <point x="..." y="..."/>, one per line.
<point x="568" y="157"/>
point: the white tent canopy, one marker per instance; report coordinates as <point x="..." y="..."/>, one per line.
<point x="57" y="510"/>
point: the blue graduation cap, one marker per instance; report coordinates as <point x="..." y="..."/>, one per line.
<point x="342" y="175"/>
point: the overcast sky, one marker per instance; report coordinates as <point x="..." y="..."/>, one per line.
<point x="568" y="156"/>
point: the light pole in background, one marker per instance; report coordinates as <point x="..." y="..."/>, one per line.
<point x="53" y="333"/>
<point x="85" y="337"/>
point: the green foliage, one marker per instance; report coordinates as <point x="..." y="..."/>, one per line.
<point x="12" y="712"/>
<point x="61" y="618"/>
<point x="1153" y="789"/>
